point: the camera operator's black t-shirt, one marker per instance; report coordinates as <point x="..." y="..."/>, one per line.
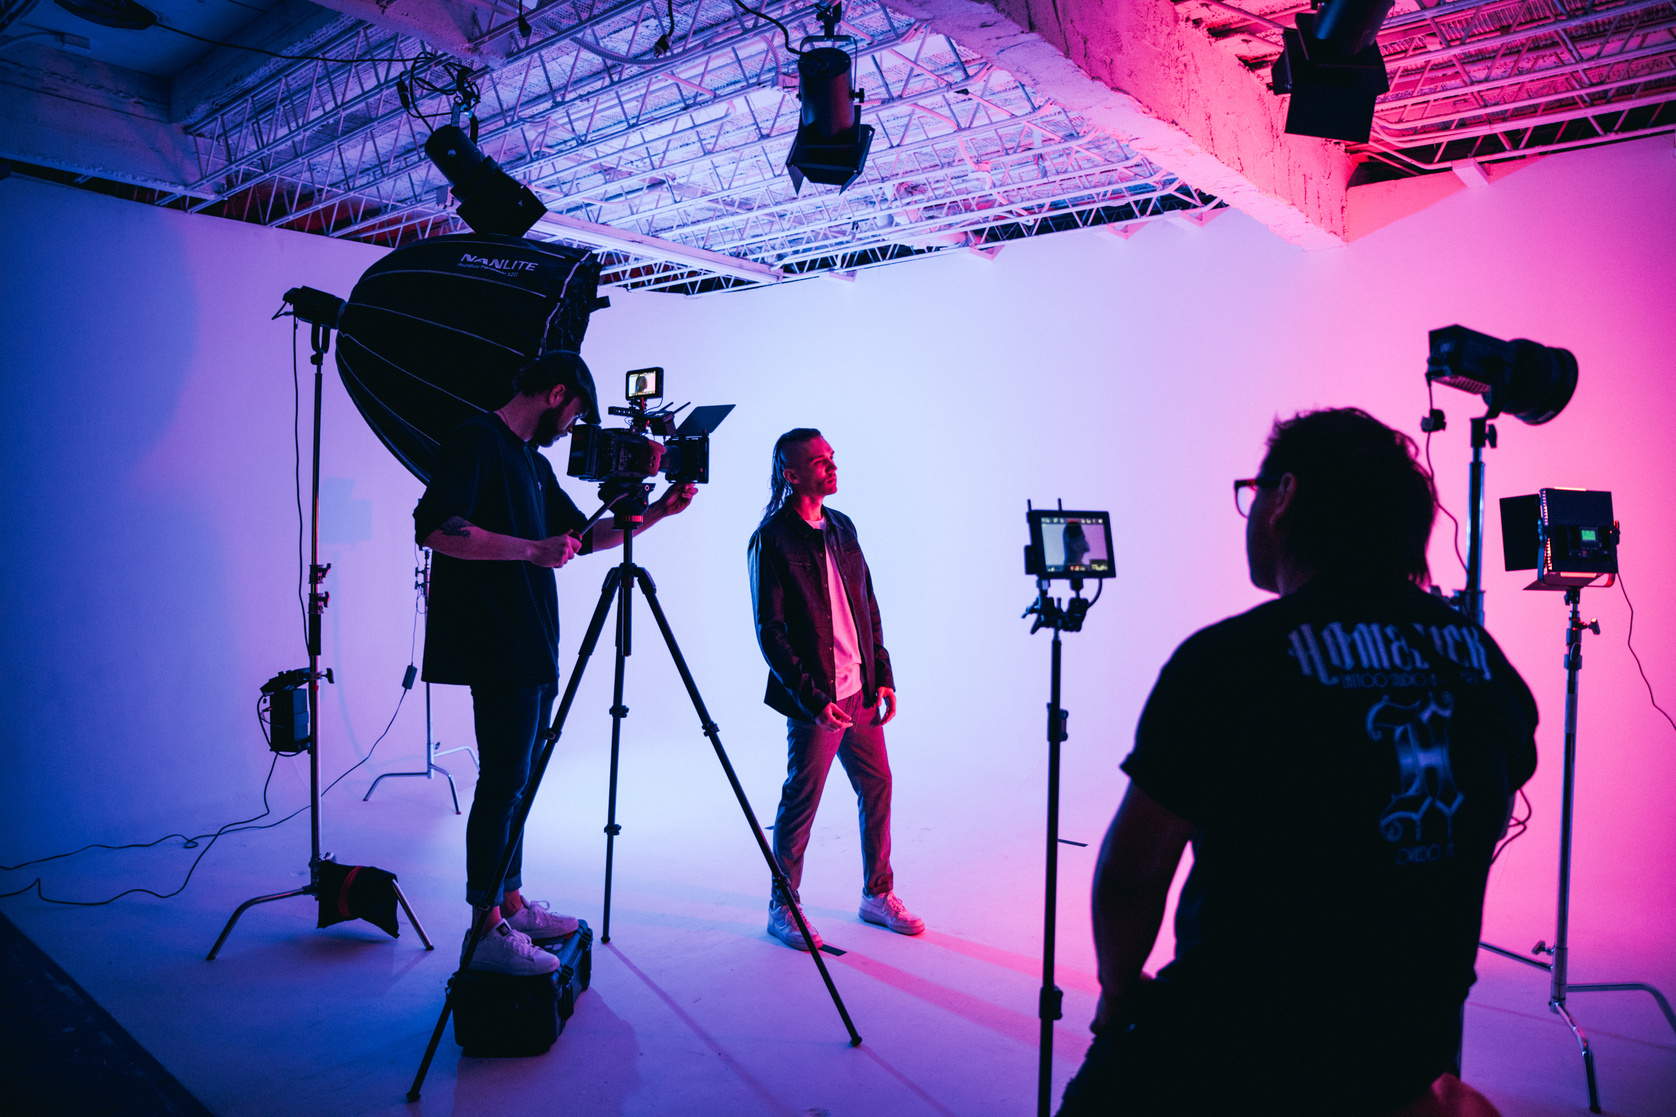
<point x="1345" y="754"/>
<point x="493" y="622"/>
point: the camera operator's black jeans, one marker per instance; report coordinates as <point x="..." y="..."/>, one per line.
<point x="861" y="749"/>
<point x="509" y="722"/>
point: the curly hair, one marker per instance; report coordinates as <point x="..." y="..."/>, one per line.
<point x="1364" y="503"/>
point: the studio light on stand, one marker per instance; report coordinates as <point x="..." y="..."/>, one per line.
<point x="344" y="892"/>
<point x="1569" y="537"/>
<point x="1333" y="70"/>
<point x="832" y="144"/>
<point x="1521" y="378"/>
<point x="1070" y="546"/>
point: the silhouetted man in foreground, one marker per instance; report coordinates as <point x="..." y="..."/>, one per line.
<point x="1342" y="760"/>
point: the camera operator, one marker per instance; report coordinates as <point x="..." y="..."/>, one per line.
<point x="1343" y="760"/>
<point x="828" y="672"/>
<point x="499" y="525"/>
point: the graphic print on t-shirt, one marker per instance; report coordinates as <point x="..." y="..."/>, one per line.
<point x="1420" y="731"/>
<point x="1420" y="818"/>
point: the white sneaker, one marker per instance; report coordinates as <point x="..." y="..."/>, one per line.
<point x="783" y="927"/>
<point x="888" y="911"/>
<point x="506" y="951"/>
<point x="541" y="923"/>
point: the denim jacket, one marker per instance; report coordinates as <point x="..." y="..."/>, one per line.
<point x="793" y="613"/>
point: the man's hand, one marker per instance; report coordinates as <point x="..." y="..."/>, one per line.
<point x="887" y="703"/>
<point x="674" y="500"/>
<point x="833" y="717"/>
<point x="554" y="551"/>
<point x="1105" y="1014"/>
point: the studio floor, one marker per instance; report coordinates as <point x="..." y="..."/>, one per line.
<point x="693" y="1009"/>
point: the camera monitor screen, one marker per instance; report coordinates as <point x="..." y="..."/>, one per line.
<point x="1070" y="544"/>
<point x="644" y="383"/>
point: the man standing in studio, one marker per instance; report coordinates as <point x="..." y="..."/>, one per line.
<point x="499" y="525"/>
<point x="828" y="671"/>
<point x="1343" y="760"/>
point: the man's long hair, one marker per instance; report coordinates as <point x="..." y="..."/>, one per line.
<point x="779" y="489"/>
<point x="1364" y="503"/>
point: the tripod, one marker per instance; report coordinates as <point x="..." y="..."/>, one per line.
<point x="628" y="507"/>
<point x="321" y="325"/>
<point x="1050" y="1002"/>
<point x="422" y="583"/>
<point x="1559" y="985"/>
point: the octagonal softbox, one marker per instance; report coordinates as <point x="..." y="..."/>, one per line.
<point x="433" y="332"/>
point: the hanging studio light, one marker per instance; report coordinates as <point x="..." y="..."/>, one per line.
<point x="831" y="144"/>
<point x="491" y="201"/>
<point x="1333" y="70"/>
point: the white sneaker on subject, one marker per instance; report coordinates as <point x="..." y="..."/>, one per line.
<point x="503" y="950"/>
<point x="783" y="927"/>
<point x="888" y="911"/>
<point x="541" y="923"/>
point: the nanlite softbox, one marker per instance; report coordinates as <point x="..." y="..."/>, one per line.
<point x="433" y="332"/>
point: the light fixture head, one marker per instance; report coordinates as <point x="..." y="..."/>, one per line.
<point x="1333" y="70"/>
<point x="1524" y="379"/>
<point x="831" y="145"/>
<point x="491" y="201"/>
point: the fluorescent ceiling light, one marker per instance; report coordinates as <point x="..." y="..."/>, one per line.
<point x="638" y="244"/>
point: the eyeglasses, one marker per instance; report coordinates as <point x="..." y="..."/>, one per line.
<point x="1245" y="491"/>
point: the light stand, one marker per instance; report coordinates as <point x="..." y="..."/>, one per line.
<point x="1050" y="1002"/>
<point x="1560" y="985"/>
<point x="628" y="507"/>
<point x="422" y="583"/>
<point x="1470" y="601"/>
<point x="320" y="310"/>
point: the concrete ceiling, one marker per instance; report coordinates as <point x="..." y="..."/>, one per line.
<point x="996" y="119"/>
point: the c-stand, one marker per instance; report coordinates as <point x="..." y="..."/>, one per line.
<point x="1050" y="1002"/>
<point x="1559" y="985"/>
<point x="320" y="310"/>
<point x="628" y="507"/>
<point x="422" y="583"/>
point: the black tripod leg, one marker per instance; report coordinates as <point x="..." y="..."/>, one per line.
<point x="625" y="648"/>
<point x="515" y="833"/>
<point x="712" y="731"/>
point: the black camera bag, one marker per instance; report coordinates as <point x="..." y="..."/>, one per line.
<point x="499" y="1016"/>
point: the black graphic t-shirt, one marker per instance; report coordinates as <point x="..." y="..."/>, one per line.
<point x="1345" y="754"/>
<point x="493" y="623"/>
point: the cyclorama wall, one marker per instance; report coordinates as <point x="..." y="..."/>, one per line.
<point x="152" y="576"/>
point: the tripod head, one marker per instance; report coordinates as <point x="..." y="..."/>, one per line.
<point x="627" y="502"/>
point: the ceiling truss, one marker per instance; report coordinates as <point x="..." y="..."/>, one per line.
<point x="687" y="147"/>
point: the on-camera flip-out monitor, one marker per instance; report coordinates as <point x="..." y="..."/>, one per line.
<point x="1066" y="544"/>
<point x="643" y="383"/>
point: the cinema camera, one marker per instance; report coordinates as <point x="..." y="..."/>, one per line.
<point x="618" y="455"/>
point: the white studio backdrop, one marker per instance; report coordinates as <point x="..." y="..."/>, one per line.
<point x="153" y="576"/>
